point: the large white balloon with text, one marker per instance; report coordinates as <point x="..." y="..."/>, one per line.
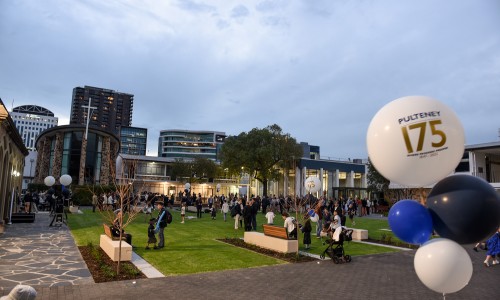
<point x="415" y="141"/>
<point x="312" y="184"/>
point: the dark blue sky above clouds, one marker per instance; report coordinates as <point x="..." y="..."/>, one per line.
<point x="319" y="69"/>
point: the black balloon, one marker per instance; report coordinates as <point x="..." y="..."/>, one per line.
<point x="464" y="208"/>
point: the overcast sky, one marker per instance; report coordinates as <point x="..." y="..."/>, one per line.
<point x="319" y="69"/>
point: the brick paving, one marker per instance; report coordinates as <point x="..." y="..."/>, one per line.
<point x="382" y="276"/>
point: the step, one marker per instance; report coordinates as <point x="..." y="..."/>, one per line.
<point x="23" y="218"/>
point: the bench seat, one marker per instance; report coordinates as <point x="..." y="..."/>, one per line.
<point x="359" y="234"/>
<point x="112" y="248"/>
<point x="271" y="243"/>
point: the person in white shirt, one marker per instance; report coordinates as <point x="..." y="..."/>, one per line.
<point x="270" y="217"/>
<point x="336" y="230"/>
<point x="290" y="225"/>
<point x="225" y="209"/>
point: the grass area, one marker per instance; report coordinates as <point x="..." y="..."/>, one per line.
<point x="192" y="247"/>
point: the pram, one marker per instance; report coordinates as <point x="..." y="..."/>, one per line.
<point x="335" y="249"/>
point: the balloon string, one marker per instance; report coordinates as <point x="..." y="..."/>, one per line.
<point x="444" y="296"/>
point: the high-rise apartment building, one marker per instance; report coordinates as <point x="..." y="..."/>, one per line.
<point x="190" y="144"/>
<point x="111" y="109"/>
<point x="133" y="140"/>
<point x="30" y="120"/>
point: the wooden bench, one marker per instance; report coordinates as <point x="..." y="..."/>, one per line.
<point x="107" y="231"/>
<point x="275" y="231"/>
<point x="274" y="238"/>
<point x="111" y="245"/>
<point x="383" y="208"/>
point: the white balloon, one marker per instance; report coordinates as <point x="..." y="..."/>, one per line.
<point x="415" y="141"/>
<point x="315" y="218"/>
<point x="443" y="266"/>
<point x="65" y="180"/>
<point x="312" y="184"/>
<point x="49" y="181"/>
<point x="187" y="186"/>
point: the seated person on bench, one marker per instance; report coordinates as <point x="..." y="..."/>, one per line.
<point x="115" y="229"/>
<point x="290" y="225"/>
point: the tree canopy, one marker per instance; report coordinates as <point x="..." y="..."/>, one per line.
<point x="260" y="152"/>
<point x="197" y="170"/>
<point x="376" y="181"/>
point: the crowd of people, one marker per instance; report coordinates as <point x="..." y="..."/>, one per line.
<point x="327" y="214"/>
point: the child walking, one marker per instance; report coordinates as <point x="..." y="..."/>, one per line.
<point x="270" y="217"/>
<point x="213" y="212"/>
<point x="183" y="212"/>
<point x="151" y="233"/>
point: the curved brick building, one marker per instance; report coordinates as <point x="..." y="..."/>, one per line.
<point x="60" y="152"/>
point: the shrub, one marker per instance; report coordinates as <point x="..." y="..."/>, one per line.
<point x="82" y="194"/>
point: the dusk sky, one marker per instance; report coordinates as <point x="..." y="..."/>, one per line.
<point x="319" y="69"/>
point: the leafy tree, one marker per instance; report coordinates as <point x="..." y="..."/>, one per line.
<point x="197" y="170"/>
<point x="260" y="152"/>
<point x="376" y="182"/>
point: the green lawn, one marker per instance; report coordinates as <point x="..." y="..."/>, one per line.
<point x="192" y="247"/>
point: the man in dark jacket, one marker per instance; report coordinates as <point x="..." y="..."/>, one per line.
<point x="247" y="216"/>
<point x="255" y="209"/>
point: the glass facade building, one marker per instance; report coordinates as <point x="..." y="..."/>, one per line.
<point x="60" y="152"/>
<point x="190" y="144"/>
<point x="133" y="140"/>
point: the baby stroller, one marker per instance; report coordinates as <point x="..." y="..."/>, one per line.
<point x="335" y="249"/>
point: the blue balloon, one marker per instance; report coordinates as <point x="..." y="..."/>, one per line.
<point x="410" y="221"/>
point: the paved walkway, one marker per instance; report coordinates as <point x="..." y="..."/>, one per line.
<point x="47" y="258"/>
<point x="36" y="254"/>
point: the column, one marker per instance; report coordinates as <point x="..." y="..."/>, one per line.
<point x="58" y="149"/>
<point x="105" y="161"/>
<point x="336" y="182"/>
<point x="322" y="183"/>
<point x="350" y="179"/>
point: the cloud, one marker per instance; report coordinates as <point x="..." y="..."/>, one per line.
<point x="239" y="12"/>
<point x="232" y="66"/>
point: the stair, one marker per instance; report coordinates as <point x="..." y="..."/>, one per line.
<point x="23" y="218"/>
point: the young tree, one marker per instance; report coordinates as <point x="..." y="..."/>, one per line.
<point x="260" y="152"/>
<point x="126" y="200"/>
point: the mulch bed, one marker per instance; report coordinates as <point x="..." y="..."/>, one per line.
<point x="289" y="257"/>
<point x="104" y="269"/>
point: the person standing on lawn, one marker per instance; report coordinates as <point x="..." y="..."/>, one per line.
<point x="161" y="223"/>
<point x="225" y="209"/>
<point x="183" y="212"/>
<point x="199" y="205"/>
<point x="306" y="230"/>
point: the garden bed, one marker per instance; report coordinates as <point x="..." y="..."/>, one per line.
<point x="289" y="257"/>
<point x="103" y="269"/>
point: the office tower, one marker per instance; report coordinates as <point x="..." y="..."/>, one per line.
<point x="30" y="120"/>
<point x="110" y="109"/>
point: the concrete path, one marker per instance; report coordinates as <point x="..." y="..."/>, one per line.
<point x="48" y="259"/>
